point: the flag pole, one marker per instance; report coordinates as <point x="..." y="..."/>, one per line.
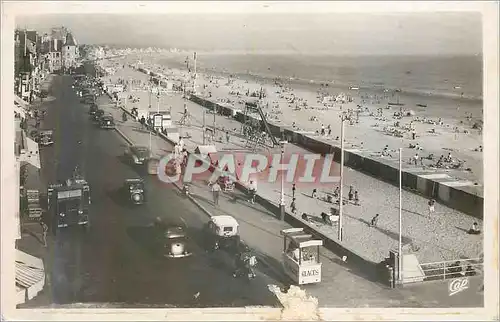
<point x="400" y="249"/>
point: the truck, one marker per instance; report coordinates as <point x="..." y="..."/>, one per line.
<point x="68" y="203"/>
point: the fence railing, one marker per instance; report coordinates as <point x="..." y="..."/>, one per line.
<point x="452" y="269"/>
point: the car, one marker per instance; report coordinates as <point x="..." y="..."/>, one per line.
<point x="139" y="155"/>
<point x="221" y="232"/>
<point x="97" y="116"/>
<point x="107" y="122"/>
<point x="135" y="191"/>
<point x="93" y="109"/>
<point x="46" y="137"/>
<point x="175" y="242"/>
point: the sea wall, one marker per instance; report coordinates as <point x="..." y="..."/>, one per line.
<point x="466" y="199"/>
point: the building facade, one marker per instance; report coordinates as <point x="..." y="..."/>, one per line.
<point x="70" y="53"/>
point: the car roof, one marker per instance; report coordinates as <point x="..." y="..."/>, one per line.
<point x="137" y="180"/>
<point x="175" y="232"/>
<point x="224" y="220"/>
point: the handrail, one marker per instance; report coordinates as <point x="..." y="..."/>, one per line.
<point x="453" y="261"/>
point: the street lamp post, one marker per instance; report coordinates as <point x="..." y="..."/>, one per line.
<point x="343" y="118"/>
<point x="282" y="199"/>
<point x="400" y="244"/>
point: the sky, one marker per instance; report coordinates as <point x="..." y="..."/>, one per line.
<point x="453" y="33"/>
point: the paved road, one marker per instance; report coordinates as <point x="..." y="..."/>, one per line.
<point x="112" y="263"/>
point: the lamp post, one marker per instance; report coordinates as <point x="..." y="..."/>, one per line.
<point x="282" y="199"/>
<point x="400" y="244"/>
<point x="343" y="118"/>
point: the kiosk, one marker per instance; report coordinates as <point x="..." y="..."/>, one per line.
<point x="301" y="256"/>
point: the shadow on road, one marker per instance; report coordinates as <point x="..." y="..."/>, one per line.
<point x="146" y="238"/>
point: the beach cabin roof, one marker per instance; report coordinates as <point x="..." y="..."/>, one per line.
<point x="205" y="150"/>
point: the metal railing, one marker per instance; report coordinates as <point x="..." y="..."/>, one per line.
<point x="452" y="269"/>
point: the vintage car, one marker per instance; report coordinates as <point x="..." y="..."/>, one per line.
<point x="46" y="137"/>
<point x="134" y="190"/>
<point x="96" y="118"/>
<point x="176" y="243"/>
<point x="222" y="233"/>
<point x="138" y="154"/>
<point x="93" y="109"/>
<point x="107" y="122"/>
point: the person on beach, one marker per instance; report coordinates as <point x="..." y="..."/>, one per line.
<point x="351" y="193"/>
<point x="322" y="129"/>
<point x="413" y="134"/>
<point x="314" y="193"/>
<point x="474" y="230"/>
<point x="385" y="151"/>
<point x="448" y="158"/>
<point x="227" y="136"/>
<point x="293" y="191"/>
<point x="431" y="205"/>
<point x="374" y="221"/>
<point x="356" y="198"/>
<point x="143" y="122"/>
<point x="216" y="192"/>
<point x="415" y="158"/>
<point x="336" y="192"/>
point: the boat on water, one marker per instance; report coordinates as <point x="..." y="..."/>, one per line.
<point x="395" y="104"/>
<point x="353" y="88"/>
<point x="422" y="105"/>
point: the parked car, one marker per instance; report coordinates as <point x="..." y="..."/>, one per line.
<point x="107" y="122"/>
<point x="96" y="118"/>
<point x="46" y="137"/>
<point x="93" y="109"/>
<point x="138" y="154"/>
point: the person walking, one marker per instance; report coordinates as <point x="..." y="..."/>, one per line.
<point x="293" y="191"/>
<point x="356" y="198"/>
<point x="216" y="192"/>
<point x="351" y="193"/>
<point x="374" y="221"/>
<point x="143" y="122"/>
<point x="431" y="204"/>
<point x="293" y="206"/>
<point x="252" y="190"/>
<point x="45" y="229"/>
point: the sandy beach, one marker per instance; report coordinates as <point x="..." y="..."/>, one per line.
<point x="445" y="129"/>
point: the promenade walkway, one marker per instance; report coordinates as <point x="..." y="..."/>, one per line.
<point x="342" y="286"/>
<point x="442" y="237"/>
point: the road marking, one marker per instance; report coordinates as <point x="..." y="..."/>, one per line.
<point x="185" y="223"/>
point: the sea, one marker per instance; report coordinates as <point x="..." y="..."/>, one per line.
<point x="446" y="76"/>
